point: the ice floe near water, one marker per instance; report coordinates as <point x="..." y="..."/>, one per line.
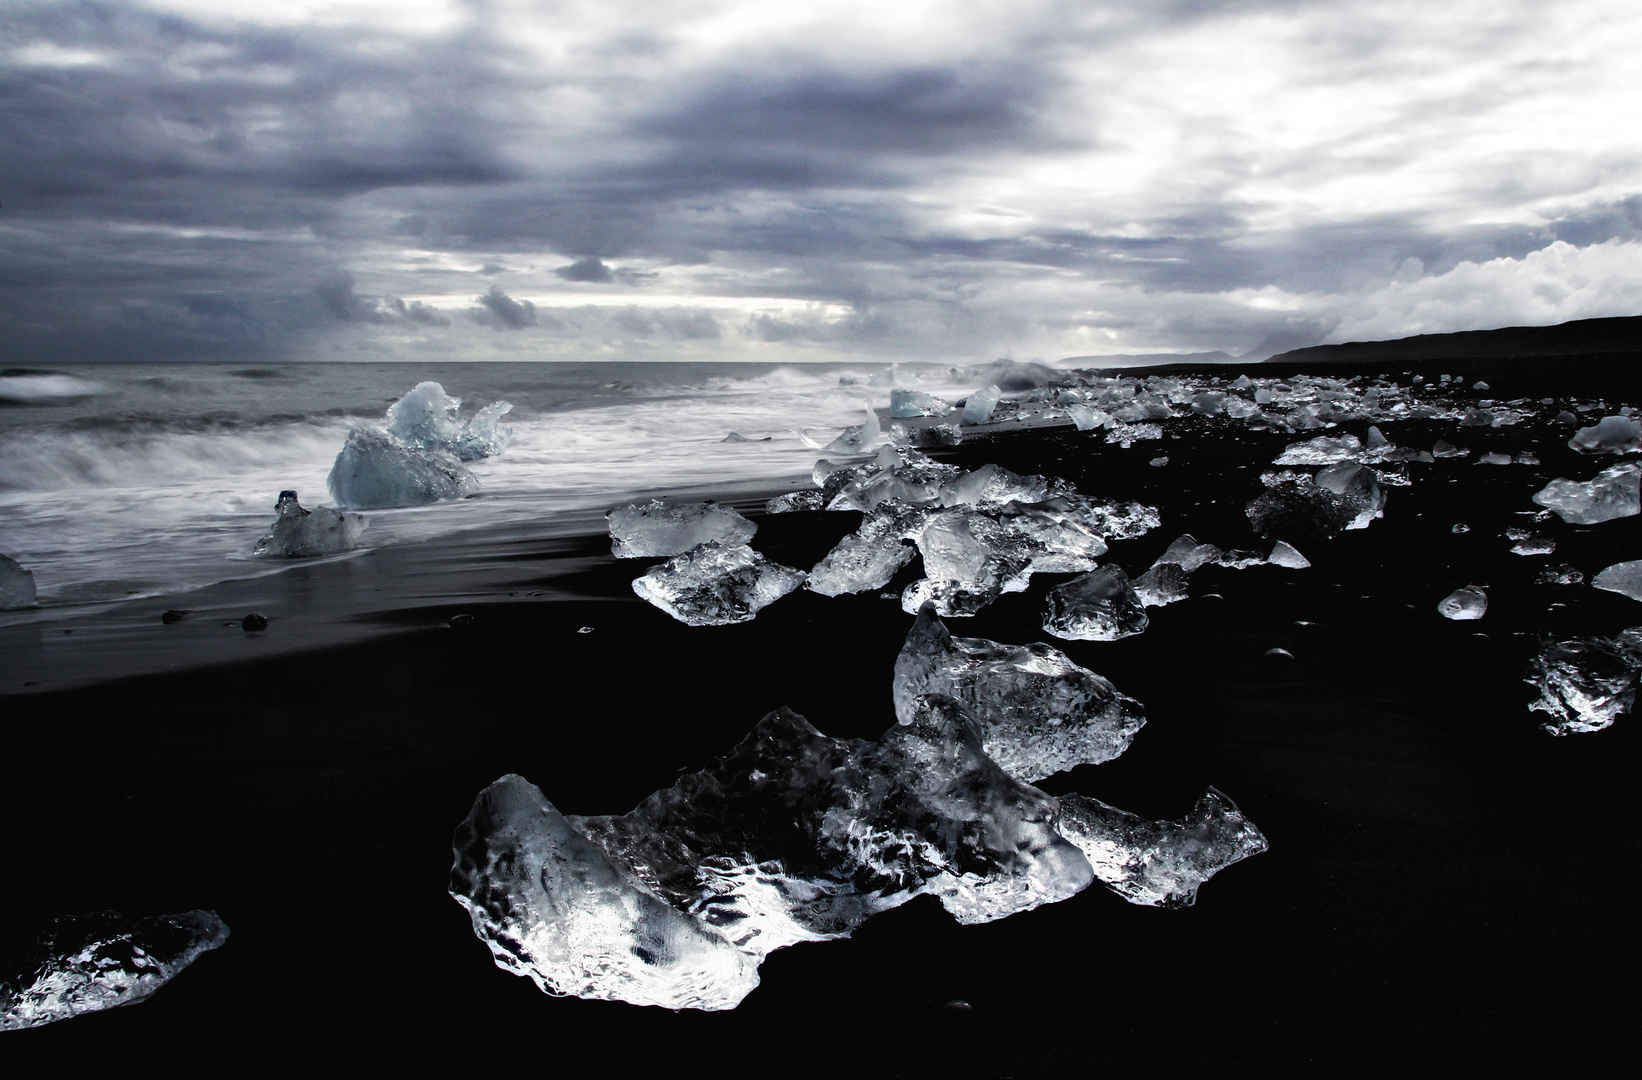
<point x="87" y="963"/>
<point x="298" y="533"/>
<point x="716" y="584"/>
<point x="418" y="459"/>
<point x="1613" y="493"/>
<point x="16" y="585"/>
<point x="642" y="530"/>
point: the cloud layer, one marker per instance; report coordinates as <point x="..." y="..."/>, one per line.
<point x="729" y="180"/>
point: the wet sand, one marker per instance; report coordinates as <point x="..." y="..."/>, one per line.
<point x="1446" y="883"/>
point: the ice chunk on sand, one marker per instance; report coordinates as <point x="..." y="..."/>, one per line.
<point x="1300" y="511"/>
<point x="643" y="530"/>
<point x="1358" y="488"/>
<point x="795" y="501"/>
<point x="1610" y="435"/>
<point x="936" y="435"/>
<point x="979" y="406"/>
<point x="1613" y="493"/>
<point x="1624" y="578"/>
<point x="1098" y="606"/>
<point x="716" y="585"/>
<point x="1445" y="449"/>
<point x="484" y="436"/>
<point x="1584" y="684"/>
<point x="1529" y="543"/>
<point x="1085" y="418"/>
<point x="16" y="585"/>
<point x="904" y="404"/>
<point x="375" y="470"/>
<point x="1161" y="585"/>
<point x="1560" y="575"/>
<point x="969" y="559"/>
<point x="1464" y="604"/>
<point x="1039" y="712"/>
<point x="1159" y="863"/>
<point x="870" y="556"/>
<point x="426" y="418"/>
<point x="992" y="487"/>
<point x="1188" y="554"/>
<point x="1283" y="554"/>
<point x="299" y="533"/>
<point x="791" y="836"/>
<point x="88" y="963"/>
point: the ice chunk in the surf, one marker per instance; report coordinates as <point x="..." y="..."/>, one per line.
<point x="1161" y="585"/>
<point x="716" y="585"/>
<point x="857" y="439"/>
<point x="1560" y="575"/>
<point x="904" y="404"/>
<point x="1098" y="606"/>
<point x="87" y="963"/>
<point x="795" y="501"/>
<point x="1613" y="493"/>
<point x="1464" y="604"/>
<point x="979" y="406"/>
<point x="484" y="436"/>
<point x="1188" y="554"/>
<point x="376" y="470"/>
<point x="870" y="556"/>
<point x="299" y="533"/>
<point x="643" y="530"/>
<point x="1284" y="554"/>
<point x="16" y="585"/>
<point x="1584" y="684"/>
<point x="1624" y="578"/>
<point x="1159" y="863"/>
<point x="1039" y="712"/>
<point x="1529" y="543"/>
<point x="1610" y="435"/>
<point x="427" y="418"/>
<point x="1359" y="490"/>
<point x="737" y="437"/>
<point x="791" y="836"/>
<point x="1445" y="449"/>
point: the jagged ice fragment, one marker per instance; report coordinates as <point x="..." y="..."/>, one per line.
<point x="1464" y="604"/>
<point x="375" y="470"/>
<point x="643" y="530"/>
<point x="1584" y="684"/>
<point x="716" y="585"/>
<point x="1613" y="493"/>
<point x="299" y="533"/>
<point x="16" y="585"/>
<point x="1624" y="578"/>
<point x="1098" y="606"/>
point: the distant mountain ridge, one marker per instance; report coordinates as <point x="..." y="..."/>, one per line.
<point x="1622" y="334"/>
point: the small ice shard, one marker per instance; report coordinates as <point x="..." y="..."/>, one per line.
<point x="1161" y="585"/>
<point x="1084" y="418"/>
<point x="1610" y="435"/>
<point x="1479" y="385"/>
<point x="426" y="418"/>
<point x="1529" y="543"/>
<point x="299" y="533"/>
<point x="858" y="439"/>
<point x="1446" y="449"/>
<point x="1159" y="863"/>
<point x="869" y="557"/>
<point x="716" y="585"/>
<point x="737" y="437"/>
<point x="969" y="559"/>
<point x="644" y="530"/>
<point x="794" y="501"/>
<point x="1098" y="606"/>
<point x="1359" y="490"/>
<point x="1241" y="560"/>
<point x="483" y="436"/>
<point x="376" y="470"/>
<point x="904" y="404"/>
<point x="1584" y="684"/>
<point x="1158" y="462"/>
<point x="1188" y="554"/>
<point x="1560" y="575"/>
<point x="1624" y="578"/>
<point x="16" y="585"/>
<point x="1613" y="493"/>
<point x="979" y="406"/>
<point x="1493" y="457"/>
<point x="1126" y="435"/>
<point x="88" y="963"/>
<point x="936" y="435"/>
<point x="1282" y="554"/>
<point x="1039" y="712"/>
<point x="1464" y="604"/>
<point x="1460" y="529"/>
<point x="1527" y="457"/>
<point x="1323" y="450"/>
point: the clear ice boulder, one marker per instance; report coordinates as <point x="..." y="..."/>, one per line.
<point x="644" y="530"/>
<point x="376" y="470"/>
<point x="1098" y="606"/>
<point x="1613" y="493"/>
<point x="716" y="584"/>
<point x="298" y="533"/>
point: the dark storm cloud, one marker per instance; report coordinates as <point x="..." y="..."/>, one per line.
<point x="588" y="269"/>
<point x="336" y="292"/>
<point x="499" y="309"/>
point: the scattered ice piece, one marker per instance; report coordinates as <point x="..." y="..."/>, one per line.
<point x="1610" y="435"/>
<point x="1566" y="417"/>
<point x="1446" y="449"/>
<point x="992" y="487"/>
<point x="1584" y="684"/>
<point x="1624" y="578"/>
<point x="1530" y="543"/>
<point x="426" y="418"/>
<point x="1479" y="386"/>
<point x="88" y="963"/>
<point x="1460" y="528"/>
<point x="375" y="470"/>
<point x="716" y="585"/>
<point x="1039" y="712"/>
<point x="299" y="533"/>
<point x="1323" y="450"/>
<point x="904" y="404"/>
<point x="857" y="439"/>
<point x="1613" y="493"/>
<point x="1463" y="605"/>
<point x="936" y="435"/>
<point x="1493" y="457"/>
<point x="1158" y="462"/>
<point x="1279" y="654"/>
<point x="737" y="437"/>
<point x="1159" y="863"/>
<point x="1241" y="560"/>
<point x="1359" y="490"/>
<point x="643" y="530"/>
<point x="979" y="406"/>
<point x="1283" y="554"/>
<point x="1098" y="606"/>
<point x="16" y="585"/>
<point x="1560" y="575"/>
<point x="870" y="556"/>
<point x="794" y="501"/>
<point x="1527" y="457"/>
<point x="1085" y="418"/>
<point x="1161" y="585"/>
<point x="1125" y="435"/>
<point x="483" y="436"/>
<point x="1304" y="511"/>
<point x="1188" y="554"/>
<point x="1209" y="403"/>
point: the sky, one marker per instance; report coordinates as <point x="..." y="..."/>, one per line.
<point x="725" y="180"/>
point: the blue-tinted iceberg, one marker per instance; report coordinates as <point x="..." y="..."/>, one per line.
<point x="298" y="533"/>
<point x="375" y="471"/>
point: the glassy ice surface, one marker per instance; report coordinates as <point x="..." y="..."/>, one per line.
<point x="1624" y="578"/>
<point x="88" y="963"/>
<point x="643" y="530"/>
<point x="791" y="836"/>
<point x="1528" y="542"/>
<point x="1584" y="684"/>
<point x="375" y="470"/>
<point x="979" y="406"/>
<point x="1163" y="584"/>
<point x="1610" y="435"/>
<point x="1560" y="575"/>
<point x="1283" y="554"/>
<point x="1098" y="606"/>
<point x="716" y="585"/>
<point x="299" y="533"/>
<point x="16" y="585"/>
<point x="794" y="501"/>
<point x="1445" y="449"/>
<point x="1464" y="604"/>
<point x="484" y="436"/>
<point x="1613" y="493"/>
<point x="1085" y="418"/>
<point x="427" y="418"/>
<point x="870" y="556"/>
<point x="1300" y="511"/>
<point x="1159" y="863"/>
<point x="1039" y="713"/>
<point x="904" y="404"/>
<point x="1359" y="491"/>
<point x="1188" y="554"/>
<point x="857" y="439"/>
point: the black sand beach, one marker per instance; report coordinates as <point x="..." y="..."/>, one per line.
<point x="1446" y="884"/>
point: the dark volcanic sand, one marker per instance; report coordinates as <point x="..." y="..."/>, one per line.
<point x="1445" y="881"/>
